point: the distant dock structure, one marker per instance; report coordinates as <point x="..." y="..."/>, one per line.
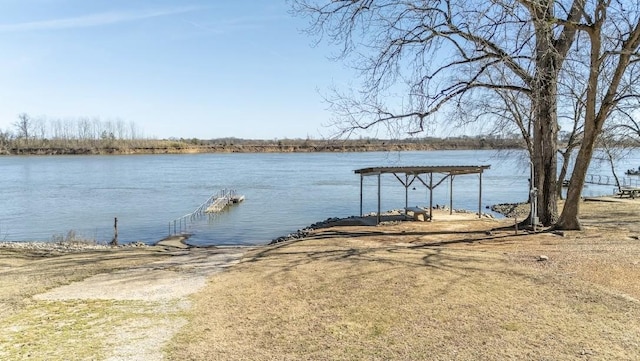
<point x="211" y="207"/>
<point x="220" y="203"/>
<point x="607" y="180"/>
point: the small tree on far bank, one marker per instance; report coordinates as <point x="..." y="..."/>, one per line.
<point x="23" y="126"/>
<point x="5" y="140"/>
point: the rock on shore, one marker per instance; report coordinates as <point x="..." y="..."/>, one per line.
<point x="511" y="210"/>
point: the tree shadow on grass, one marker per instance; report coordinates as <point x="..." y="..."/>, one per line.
<point x="421" y="256"/>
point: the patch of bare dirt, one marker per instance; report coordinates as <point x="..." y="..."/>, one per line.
<point x="137" y="297"/>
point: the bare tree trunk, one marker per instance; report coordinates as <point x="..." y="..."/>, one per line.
<point x="592" y="126"/>
<point x="566" y="157"/>
<point x="569" y="218"/>
<point x="611" y="162"/>
<point x="547" y="171"/>
<point x="546" y="118"/>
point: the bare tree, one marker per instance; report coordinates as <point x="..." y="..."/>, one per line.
<point x="5" y="140"/>
<point x="443" y="52"/>
<point x="69" y="128"/>
<point x="120" y="129"/>
<point x="612" y="30"/>
<point x="57" y="128"/>
<point x="571" y="99"/>
<point x="613" y="149"/>
<point x="24" y="126"/>
<point x="626" y="128"/>
<point x="505" y="112"/>
<point x="40" y="128"/>
<point x="84" y="129"/>
<point x="134" y="131"/>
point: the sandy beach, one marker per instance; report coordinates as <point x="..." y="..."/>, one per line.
<point x="460" y="287"/>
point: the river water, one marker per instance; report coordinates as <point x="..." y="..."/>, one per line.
<point x="51" y="195"/>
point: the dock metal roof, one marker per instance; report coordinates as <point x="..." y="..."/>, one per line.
<point x="444" y="169"/>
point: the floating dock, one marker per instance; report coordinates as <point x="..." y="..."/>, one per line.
<point x="219" y="204"/>
<point x="212" y="206"/>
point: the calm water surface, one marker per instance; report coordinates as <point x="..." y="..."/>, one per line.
<point x="46" y="196"/>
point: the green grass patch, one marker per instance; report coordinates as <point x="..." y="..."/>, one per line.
<point x="71" y="330"/>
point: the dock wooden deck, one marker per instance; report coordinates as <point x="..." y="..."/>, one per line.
<point x="220" y="203"/>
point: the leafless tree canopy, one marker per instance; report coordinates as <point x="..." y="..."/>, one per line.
<point x="532" y="62"/>
<point x="438" y="52"/>
<point x="434" y="53"/>
<point x="23" y="126"/>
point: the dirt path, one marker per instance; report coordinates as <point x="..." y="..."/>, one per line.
<point x="126" y="314"/>
<point x="169" y="279"/>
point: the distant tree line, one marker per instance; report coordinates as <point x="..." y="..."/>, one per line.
<point x="355" y="145"/>
<point x="85" y="135"/>
<point x="31" y="134"/>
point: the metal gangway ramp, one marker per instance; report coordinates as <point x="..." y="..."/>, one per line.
<point x="210" y="208"/>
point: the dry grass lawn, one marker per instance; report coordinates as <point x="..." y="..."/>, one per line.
<point x="32" y="329"/>
<point x="451" y="289"/>
<point x="24" y="273"/>
<point x="444" y="290"/>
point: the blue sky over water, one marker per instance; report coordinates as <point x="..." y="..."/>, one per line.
<point x="194" y="68"/>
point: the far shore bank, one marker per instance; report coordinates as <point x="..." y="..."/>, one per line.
<point x="196" y="146"/>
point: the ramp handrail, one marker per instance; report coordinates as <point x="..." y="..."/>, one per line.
<point x="610" y="180"/>
<point x="180" y="224"/>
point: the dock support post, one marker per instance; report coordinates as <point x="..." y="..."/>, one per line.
<point x="480" y="197"/>
<point x="406" y="192"/>
<point x="451" y="194"/>
<point x="430" y="196"/>
<point x="378" y="219"/>
<point x="361" y="180"/>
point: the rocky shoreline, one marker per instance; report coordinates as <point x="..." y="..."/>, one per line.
<point x="512" y="210"/>
<point x="304" y="232"/>
<point x="66" y="247"/>
<point x="506" y="209"/>
<point x="392" y="216"/>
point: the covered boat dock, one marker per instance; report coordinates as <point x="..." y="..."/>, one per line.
<point x="425" y="175"/>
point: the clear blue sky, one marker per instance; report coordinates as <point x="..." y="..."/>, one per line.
<point x="190" y="68"/>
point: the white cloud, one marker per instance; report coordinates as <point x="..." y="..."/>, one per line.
<point x="92" y="20"/>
